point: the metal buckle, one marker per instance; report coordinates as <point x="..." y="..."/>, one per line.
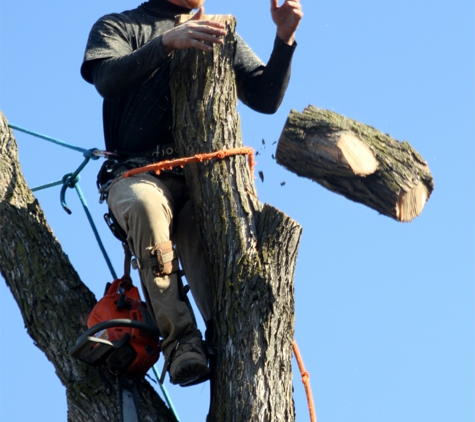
<point x="135" y="264"/>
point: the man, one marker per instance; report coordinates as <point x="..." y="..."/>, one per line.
<point x="128" y="60"/>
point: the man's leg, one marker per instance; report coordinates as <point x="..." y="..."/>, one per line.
<point x="143" y="207"/>
<point x="191" y="256"/>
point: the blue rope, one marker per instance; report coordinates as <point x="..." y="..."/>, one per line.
<point x="165" y="393"/>
<point x="47" y="185"/>
<point x="48" y="138"/>
<point x="93" y="226"/>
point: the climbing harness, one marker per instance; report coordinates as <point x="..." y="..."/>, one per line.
<point x="98" y="344"/>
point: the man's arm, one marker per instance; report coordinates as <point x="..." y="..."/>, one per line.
<point x="118" y="76"/>
<point x="261" y="87"/>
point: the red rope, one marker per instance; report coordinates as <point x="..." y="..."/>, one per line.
<point x="306" y="382"/>
<point x="181" y="162"/>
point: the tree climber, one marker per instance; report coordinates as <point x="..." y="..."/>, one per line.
<point x="127" y="59"/>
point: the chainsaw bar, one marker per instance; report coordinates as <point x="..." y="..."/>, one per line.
<point x="127" y="399"/>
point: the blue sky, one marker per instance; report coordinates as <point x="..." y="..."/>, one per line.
<point x="384" y="310"/>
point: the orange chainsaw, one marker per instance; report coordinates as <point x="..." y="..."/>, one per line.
<point x="121" y="333"/>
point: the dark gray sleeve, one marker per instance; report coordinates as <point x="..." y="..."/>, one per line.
<point x="113" y="63"/>
<point x="121" y="75"/>
<point x="260" y="87"/>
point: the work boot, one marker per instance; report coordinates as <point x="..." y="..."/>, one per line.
<point x="189" y="365"/>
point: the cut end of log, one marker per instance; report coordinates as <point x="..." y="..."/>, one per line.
<point x="345" y="149"/>
<point x="356" y="154"/>
<point x="411" y="203"/>
<point x="217" y="18"/>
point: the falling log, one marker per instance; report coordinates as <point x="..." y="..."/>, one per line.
<point x="356" y="161"/>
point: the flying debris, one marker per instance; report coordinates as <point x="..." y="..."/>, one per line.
<point x="263" y="142"/>
<point x="282" y="183"/>
<point x="273" y="143"/>
<point x="261" y="175"/>
<point x="257" y="152"/>
<point x="273" y="156"/>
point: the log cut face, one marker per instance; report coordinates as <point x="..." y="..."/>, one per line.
<point x="52" y="299"/>
<point x="356" y="161"/>
<point x="250" y="248"/>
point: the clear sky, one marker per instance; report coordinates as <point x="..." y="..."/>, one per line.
<point x="384" y="310"/>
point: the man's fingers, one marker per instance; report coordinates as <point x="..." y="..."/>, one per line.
<point x="294" y="4"/>
<point x="274" y="5"/>
<point x="198" y="14"/>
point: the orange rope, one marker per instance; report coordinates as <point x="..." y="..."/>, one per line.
<point x="306" y="382"/>
<point x="181" y="162"/>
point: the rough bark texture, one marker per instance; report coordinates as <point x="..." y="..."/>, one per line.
<point x="251" y="248"/>
<point x="53" y="301"/>
<point x="356" y="161"/>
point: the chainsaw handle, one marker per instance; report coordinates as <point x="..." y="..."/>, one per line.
<point x="122" y="322"/>
<point x="122" y="302"/>
<point x="115" y="288"/>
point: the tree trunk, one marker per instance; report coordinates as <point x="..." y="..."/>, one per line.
<point x="53" y="301"/>
<point x="250" y="248"/>
<point x="356" y="161"/>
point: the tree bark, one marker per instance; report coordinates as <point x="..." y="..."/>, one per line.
<point x="356" y="161"/>
<point x="251" y="248"/>
<point x="52" y="299"/>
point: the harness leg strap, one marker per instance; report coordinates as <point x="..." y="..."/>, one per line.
<point x="164" y="260"/>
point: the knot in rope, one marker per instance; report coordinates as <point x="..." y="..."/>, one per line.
<point x="306" y="382"/>
<point x="94" y="154"/>
<point x="70" y="180"/>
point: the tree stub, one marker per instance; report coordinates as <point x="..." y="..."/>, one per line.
<point x="250" y="248"/>
<point x="356" y="161"/>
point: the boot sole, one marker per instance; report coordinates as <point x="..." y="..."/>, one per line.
<point x="190" y="372"/>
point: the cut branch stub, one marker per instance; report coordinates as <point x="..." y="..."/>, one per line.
<point x="356" y="161"/>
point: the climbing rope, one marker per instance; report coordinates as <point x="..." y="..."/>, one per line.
<point x="181" y="162"/>
<point x="306" y="382"/>
<point x="71" y="180"/>
<point x="197" y="158"/>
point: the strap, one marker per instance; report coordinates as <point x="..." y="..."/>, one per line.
<point x="138" y="264"/>
<point x="159" y="259"/>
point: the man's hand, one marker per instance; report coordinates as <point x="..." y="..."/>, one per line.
<point x="287" y="18"/>
<point x="192" y="34"/>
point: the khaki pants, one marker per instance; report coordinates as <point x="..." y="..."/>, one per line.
<point x="144" y="206"/>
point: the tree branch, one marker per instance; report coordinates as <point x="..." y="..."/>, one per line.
<point x="52" y="299"/>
